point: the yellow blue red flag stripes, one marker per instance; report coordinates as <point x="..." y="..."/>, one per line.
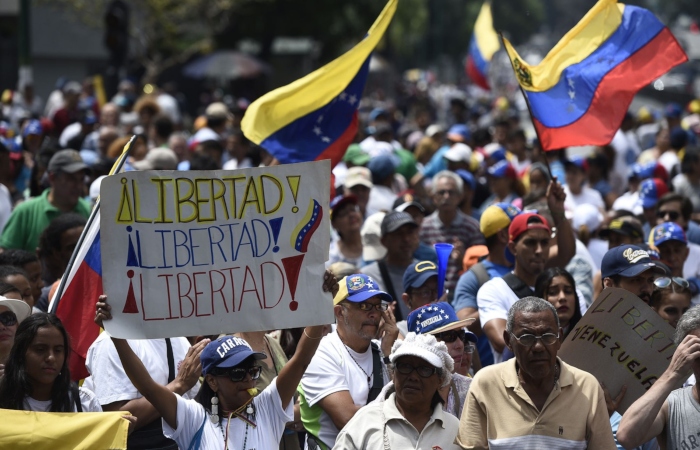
<point x="580" y="92"/>
<point x="81" y="285"/>
<point x="482" y="47"/>
<point x="29" y="430"/>
<point x="315" y="117"/>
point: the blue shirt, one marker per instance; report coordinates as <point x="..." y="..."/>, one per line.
<point x="693" y="232"/>
<point x="436" y="163"/>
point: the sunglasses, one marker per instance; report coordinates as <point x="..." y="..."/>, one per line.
<point x="665" y="282"/>
<point x="423" y="371"/>
<point x="8" y="318"/>
<point x="239" y="374"/>
<point x="449" y="337"/>
<point x="672" y="215"/>
<point x="528" y="340"/>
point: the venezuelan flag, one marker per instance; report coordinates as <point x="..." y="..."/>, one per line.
<point x="580" y="92"/>
<point x="315" y="117"/>
<point x="482" y="47"/>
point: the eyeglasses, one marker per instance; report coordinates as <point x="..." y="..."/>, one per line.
<point x="672" y="215"/>
<point x="528" y="340"/>
<point x="450" y="336"/>
<point x="423" y="371"/>
<point x="8" y="318"/>
<point x="364" y="306"/>
<point x="424" y="293"/>
<point x="239" y="374"/>
<point x="665" y="282"/>
<point x="449" y="192"/>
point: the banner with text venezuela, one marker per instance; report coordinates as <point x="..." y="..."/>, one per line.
<point x="315" y="117"/>
<point x="580" y="92"/>
<point x="207" y="252"/>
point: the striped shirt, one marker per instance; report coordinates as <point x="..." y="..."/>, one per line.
<point x="463" y="227"/>
<point x="500" y="415"/>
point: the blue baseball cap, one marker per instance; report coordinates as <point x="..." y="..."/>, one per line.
<point x="467" y="177"/>
<point x="33" y="128"/>
<point x="649" y="170"/>
<point x="650" y="191"/>
<point x="577" y="161"/>
<point x="627" y="261"/>
<point x="359" y="287"/>
<point x="417" y="274"/>
<point x="495" y="151"/>
<point x="382" y="166"/>
<point x="502" y="169"/>
<point x="673" y="110"/>
<point x="435" y="318"/>
<point x="667" y="231"/>
<point x="226" y="352"/>
<point x="459" y="133"/>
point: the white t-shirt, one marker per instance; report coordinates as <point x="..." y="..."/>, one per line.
<point x="381" y="198"/>
<point x="108" y="379"/>
<point x="587" y="196"/>
<point x="669" y="159"/>
<point x="87" y="400"/>
<point x="494" y="299"/>
<point x="628" y="201"/>
<point x="333" y="370"/>
<point x="270" y="418"/>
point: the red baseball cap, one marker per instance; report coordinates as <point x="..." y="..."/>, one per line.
<point x="524" y="222"/>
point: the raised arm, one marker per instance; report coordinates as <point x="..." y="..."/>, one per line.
<point x="561" y="254"/>
<point x="647" y="417"/>
<point x="162" y="398"/>
<point x="290" y="375"/>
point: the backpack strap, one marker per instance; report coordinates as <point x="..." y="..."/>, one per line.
<point x="196" y="441"/>
<point x="482" y="275"/>
<point x="378" y="382"/>
<point x="519" y="288"/>
<point x="171" y="360"/>
<point x="384" y="271"/>
<point x="75" y="393"/>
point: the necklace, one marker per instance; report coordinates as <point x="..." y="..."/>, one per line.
<point x="248" y="422"/>
<point x="369" y="377"/>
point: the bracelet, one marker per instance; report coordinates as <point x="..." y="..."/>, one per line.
<point x="313" y="339"/>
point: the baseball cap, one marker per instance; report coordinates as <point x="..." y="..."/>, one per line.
<point x="406" y="200"/>
<point x="157" y="159"/>
<point x="524" y="222"/>
<point x="217" y="110"/>
<point x="21" y="309"/>
<point x="495" y="151"/>
<point x="497" y="217"/>
<point x="627" y="261"/>
<point x="673" y="110"/>
<point x="587" y="215"/>
<point x="418" y="273"/>
<point x="382" y="166"/>
<point x="667" y="231"/>
<point x="577" y="161"/>
<point x="358" y="176"/>
<point x="355" y="155"/>
<point x="371" y="234"/>
<point x="377" y="112"/>
<point x="649" y="170"/>
<point x="434" y="129"/>
<point x="467" y="177"/>
<point x="33" y="128"/>
<point x="626" y="225"/>
<point x="394" y="220"/>
<point x="226" y="352"/>
<point x="459" y="152"/>
<point x="358" y="288"/>
<point x="459" y="133"/>
<point x="340" y="201"/>
<point x="650" y="191"/>
<point x="435" y="318"/>
<point x="502" y="169"/>
<point x="68" y="161"/>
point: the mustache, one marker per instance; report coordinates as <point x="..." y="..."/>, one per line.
<point x="371" y="322"/>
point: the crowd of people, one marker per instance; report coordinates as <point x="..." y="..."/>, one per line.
<point x="536" y="236"/>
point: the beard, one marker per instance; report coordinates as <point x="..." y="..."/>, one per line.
<point x="361" y="332"/>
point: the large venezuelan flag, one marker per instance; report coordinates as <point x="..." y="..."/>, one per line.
<point x="315" y="117"/>
<point x="580" y="92"/>
<point x="482" y="47"/>
<point x="75" y="298"/>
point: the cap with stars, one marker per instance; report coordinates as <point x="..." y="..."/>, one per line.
<point x="435" y="318"/>
<point x="358" y="288"/>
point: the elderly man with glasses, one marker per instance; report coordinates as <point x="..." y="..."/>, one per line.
<point x="348" y="370"/>
<point x="534" y="400"/>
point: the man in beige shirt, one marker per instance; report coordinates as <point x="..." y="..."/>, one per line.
<point x="535" y="400"/>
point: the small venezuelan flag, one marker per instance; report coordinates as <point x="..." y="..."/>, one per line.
<point x="482" y="47"/>
<point x="315" y="117"/>
<point x="580" y="92"/>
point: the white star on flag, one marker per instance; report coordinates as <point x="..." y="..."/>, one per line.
<point x="353" y="99"/>
<point x="317" y="131"/>
<point x="343" y="95"/>
<point x="320" y="119"/>
<point x="326" y="139"/>
<point x="572" y="95"/>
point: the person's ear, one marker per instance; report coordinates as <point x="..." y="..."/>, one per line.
<point x="511" y="247"/>
<point x="607" y="282"/>
<point x="338" y="312"/>
<point x="407" y="300"/>
<point x="506" y="339"/>
<point x="211" y="381"/>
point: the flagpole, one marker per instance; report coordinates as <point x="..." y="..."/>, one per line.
<point x="527" y="102"/>
<point x="53" y="306"/>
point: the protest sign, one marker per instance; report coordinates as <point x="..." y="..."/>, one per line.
<point x="205" y="252"/>
<point x="621" y="340"/>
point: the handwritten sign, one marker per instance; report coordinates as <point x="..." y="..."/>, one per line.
<point x="206" y="252"/>
<point x="621" y="340"/>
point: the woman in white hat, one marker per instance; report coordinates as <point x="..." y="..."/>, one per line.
<point x="411" y="415"/>
<point x="12" y="312"/>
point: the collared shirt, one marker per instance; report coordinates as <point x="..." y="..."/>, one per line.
<point x="366" y="429"/>
<point x="30" y="219"/>
<point x="500" y="415"/>
<point x="463" y="227"/>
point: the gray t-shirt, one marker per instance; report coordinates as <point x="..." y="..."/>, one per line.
<point x="396" y="275"/>
<point x="683" y="420"/>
